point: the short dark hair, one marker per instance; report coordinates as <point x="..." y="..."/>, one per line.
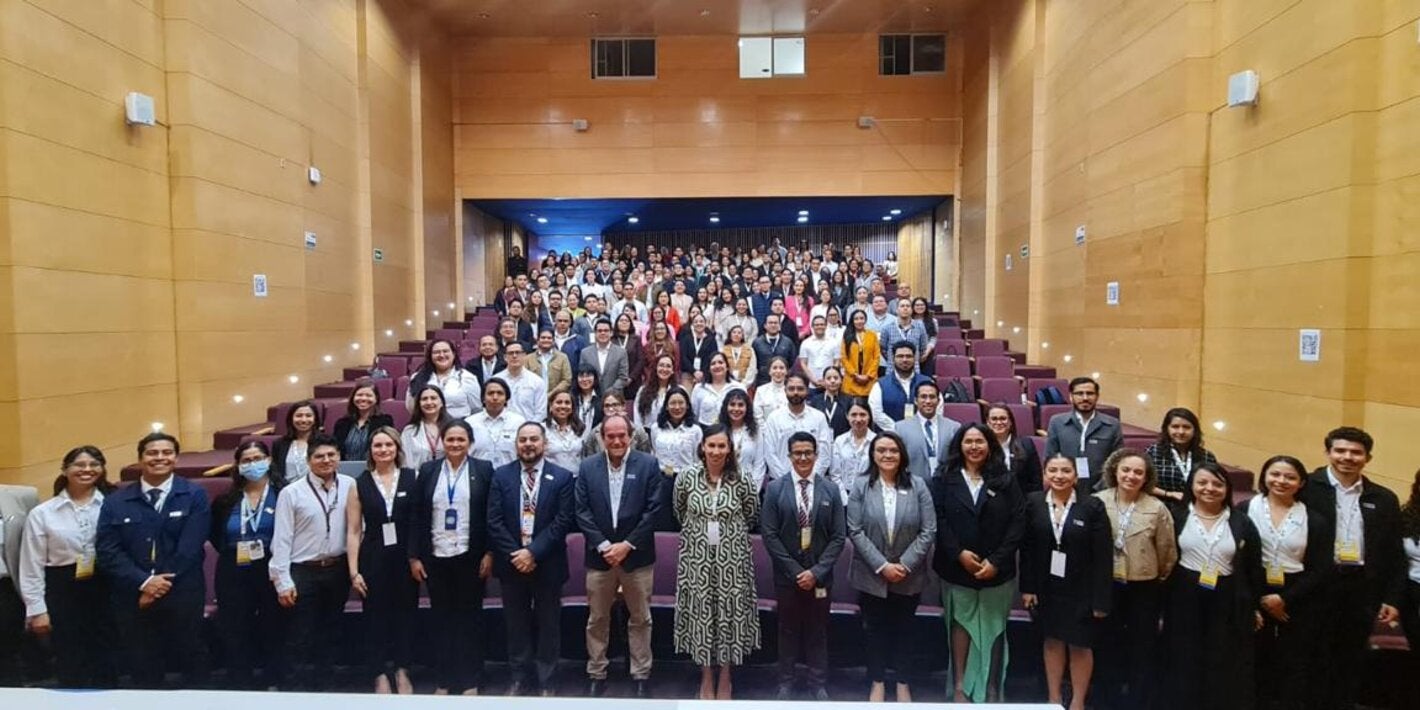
<point x="1280" y="458"/>
<point x="318" y="440"/>
<point x="1076" y="382"/>
<point x="1217" y="472"/>
<point x="1350" y="433"/>
<point x="800" y="437"/>
<point x="925" y="383"/>
<point x="158" y="436"/>
<point x="456" y="424"/>
<point x="797" y="375"/>
<point x="904" y="345"/>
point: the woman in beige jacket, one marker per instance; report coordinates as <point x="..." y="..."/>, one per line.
<point x="1145" y="551"/>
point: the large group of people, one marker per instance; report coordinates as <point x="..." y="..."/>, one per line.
<point x="713" y="396"/>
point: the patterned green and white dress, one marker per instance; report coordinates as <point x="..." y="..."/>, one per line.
<point x="716" y="617"/>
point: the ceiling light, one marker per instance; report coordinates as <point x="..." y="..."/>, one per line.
<point x="1000" y="324"/>
<point x="542" y="220"/>
<point x="1016" y="330"/>
<point x="1220" y="425"/>
<point x="1143" y="397"/>
<point x="157" y="426"/>
<point x="1068" y="357"/>
<point x="714" y="219"/>
<point x="803" y="213"/>
<point x="452" y="305"/>
<point x="592" y="15"/>
<point x="1095" y="375"/>
<point x="803" y="219"/>
<point x="894" y="212"/>
<point x="483" y="15"/>
<point x="329" y="358"/>
<point x="436" y="314"/>
<point x="293" y="379"/>
<point x="887" y="218"/>
<point x="586" y="239"/>
<point x="705" y="13"/>
<point x="1045" y="346"/>
<point x="409" y="322"/>
<point x="976" y="312"/>
<point x="389" y="333"/>
<point x="633" y="220"/>
<point x="238" y="399"/>
<point x="354" y="346"/>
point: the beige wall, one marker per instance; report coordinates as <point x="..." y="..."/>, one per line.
<point x="698" y="129"/>
<point x="130" y="251"/>
<point x="1227" y="229"/>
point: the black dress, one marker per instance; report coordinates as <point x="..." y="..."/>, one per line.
<point x="1065" y="605"/>
<point x="1208" y="633"/>
<point x="393" y="594"/>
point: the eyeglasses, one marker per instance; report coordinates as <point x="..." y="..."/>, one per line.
<point x="802" y="454"/>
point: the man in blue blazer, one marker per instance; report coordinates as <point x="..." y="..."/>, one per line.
<point x="618" y="502"/>
<point x="150" y="546"/>
<point x="531" y="507"/>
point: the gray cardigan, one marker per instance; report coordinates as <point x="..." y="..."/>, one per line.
<point x="915" y="532"/>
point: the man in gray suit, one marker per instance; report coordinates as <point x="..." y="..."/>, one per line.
<point x="609" y="359"/>
<point x="803" y="531"/>
<point x="926" y="433"/>
<point x="1084" y="434"/>
<point x="16" y="502"/>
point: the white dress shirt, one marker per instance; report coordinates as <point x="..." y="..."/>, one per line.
<point x="1350" y="526"/>
<point x="781" y="425"/>
<point x="528" y="397"/>
<point x="495" y="438"/>
<point x="422" y="444"/>
<point x="889" y="493"/>
<point x="819" y="354"/>
<point x="297" y="467"/>
<point x="462" y="395"/>
<point x="706" y="400"/>
<point x="564" y="447"/>
<point x="850" y="460"/>
<point x="677" y="447"/>
<point x="749" y="454"/>
<point x="1284" y="547"/>
<point x="768" y="399"/>
<point x="451" y="543"/>
<point x="167" y="487"/>
<point x="57" y="533"/>
<point x="1412" y="556"/>
<point x="310" y="525"/>
<point x="1198" y="547"/>
<point x="875" y="400"/>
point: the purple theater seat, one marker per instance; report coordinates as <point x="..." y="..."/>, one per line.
<point x="401" y="387"/>
<point x="385" y="387"/>
<point x="333" y="409"/>
<point x="213" y="486"/>
<point x="1049" y="411"/>
<point x="1039" y="372"/>
<point x="415" y="363"/>
<point x="1000" y="389"/>
<point x="1039" y="443"/>
<point x="209" y="575"/>
<point x="278" y="416"/>
<point x="968" y="382"/>
<point x="663" y="584"/>
<point x="575" y="591"/>
<point x="951" y="347"/>
<point x="397" y="411"/>
<point x="394" y="365"/>
<point x="930" y="604"/>
<point x="987" y="346"/>
<point x="763" y="574"/>
<point x="843" y="597"/>
<point x="468" y="352"/>
<point x="450" y="334"/>
<point x="1034" y="385"/>
<point x="332" y="390"/>
<point x="994" y="366"/>
<point x="268" y="439"/>
<point x="950" y="366"/>
<point x="962" y="412"/>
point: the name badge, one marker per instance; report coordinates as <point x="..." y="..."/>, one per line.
<point x="401" y="494"/>
<point x="1082" y="466"/>
<point x="990" y="492"/>
<point x="451" y="519"/>
<point x="1121" y="567"/>
<point x="391" y="534"/>
<point x="529" y="519"/>
<point x="909" y="411"/>
<point x="1079" y="523"/>
<point x="547" y="477"/>
<point x="1372" y="506"/>
<point x="712" y="532"/>
<point x="1347" y="552"/>
<point x="1208" y="578"/>
<point x="175" y="514"/>
<point x="84" y="566"/>
<point x="806" y="536"/>
<point x="249" y="551"/>
<point x="1275" y="576"/>
<point x="820" y="593"/>
<point x="1057" y="563"/>
<point x="696" y="366"/>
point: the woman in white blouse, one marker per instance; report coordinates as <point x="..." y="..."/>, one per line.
<point x="769" y="397"/>
<point x="495" y="427"/>
<point x="1296" y="559"/>
<point x="63" y="597"/>
<point x="443" y="369"/>
<point x="420" y="439"/>
<point x="675" y="442"/>
<point x="737" y="416"/>
<point x="740" y="317"/>
<point x="850" y="449"/>
<point x="706" y="398"/>
<point x="565" y="432"/>
<point x="653" y="394"/>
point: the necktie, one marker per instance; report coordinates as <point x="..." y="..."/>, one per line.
<point x="931" y="440"/>
<point x="153" y="495"/>
<point x="803" y="503"/>
<point x="529" y="483"/>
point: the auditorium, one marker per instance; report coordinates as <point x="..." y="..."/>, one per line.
<point x="648" y="353"/>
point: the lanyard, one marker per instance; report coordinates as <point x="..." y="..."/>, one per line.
<point x="1211" y="541"/>
<point x="451" y="479"/>
<point x="1058" y="526"/>
<point x="251" y="519"/>
<point x="327" y="509"/>
<point x="1084" y="427"/>
<point x="1125" y="516"/>
<point x="431" y="439"/>
<point x="1184" y="463"/>
<point x="832" y="404"/>
<point x="1279" y="535"/>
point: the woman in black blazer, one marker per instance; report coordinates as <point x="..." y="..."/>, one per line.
<point x="362" y="418"/>
<point x="377" y="524"/>
<point x="832" y="402"/>
<point x="288" y="454"/>
<point x="1211" y="616"/>
<point x="1296" y="561"/>
<point x="1022" y="460"/>
<point x="1067" y="560"/>
<point x="980" y="521"/>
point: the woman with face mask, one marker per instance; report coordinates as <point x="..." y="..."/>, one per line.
<point x="251" y="625"/>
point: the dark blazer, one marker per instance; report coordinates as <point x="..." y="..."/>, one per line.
<point x="992" y="527"/>
<point x="345" y="423"/>
<point x="556" y="510"/>
<point x="279" y="449"/>
<point x="421" y="538"/>
<point x="1385" y="567"/>
<point x="527" y="334"/>
<point x="779" y="529"/>
<point x="635" y="516"/>
<point x="1317" y="565"/>
<point x="475" y="366"/>
<point x="372" y="509"/>
<point x="688" y="353"/>
<point x="1249" y="579"/>
<point x="1104" y="436"/>
<point x="1025" y="465"/>
<point x="135" y="541"/>
<point x="838" y="421"/>
<point x="763" y="352"/>
<point x="1088" y="548"/>
<point x="573" y="350"/>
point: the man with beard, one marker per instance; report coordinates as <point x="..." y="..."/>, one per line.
<point x="798" y="416"/>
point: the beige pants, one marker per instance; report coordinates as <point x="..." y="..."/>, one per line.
<point x="635" y="588"/>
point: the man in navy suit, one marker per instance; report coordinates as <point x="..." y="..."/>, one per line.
<point x="150" y="546"/>
<point x="531" y="507"/>
<point x="617" y="506"/>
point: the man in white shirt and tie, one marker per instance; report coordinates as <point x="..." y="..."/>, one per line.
<point x="798" y="416"/>
<point x="308" y="565"/>
<point x="528" y="395"/>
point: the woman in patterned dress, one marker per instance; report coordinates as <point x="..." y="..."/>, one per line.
<point x="716" y="620"/>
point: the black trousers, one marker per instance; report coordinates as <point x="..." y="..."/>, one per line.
<point x="533" y="611"/>
<point x="321" y="593"/>
<point x="82" y="629"/>
<point x="456" y="598"/>
<point x="1286" y="654"/>
<point x="389" y="608"/>
<point x="1346" y="623"/>
<point x="251" y="624"/>
<point x="887" y="626"/>
<point x="12" y="634"/>
<point x="1126" y="647"/>
<point x="803" y="633"/>
<point x="1410" y="620"/>
<point x="169" y="631"/>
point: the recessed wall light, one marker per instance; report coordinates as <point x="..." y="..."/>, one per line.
<point x="894" y="212"/>
<point x="1045" y="346"/>
<point x="1068" y="357"/>
<point x="293" y="379"/>
<point x="887" y="218"/>
<point x="803" y="213"/>
<point x="156" y="426"/>
<point x="1094" y="375"/>
<point x="1142" y="397"/>
<point x="1000" y="324"/>
<point x="634" y="220"/>
<point x="409" y="322"/>
<point x="329" y="358"/>
<point x="705" y="13"/>
<point x="436" y="314"/>
<point x="238" y="399"/>
<point x="389" y="333"/>
<point x="586" y="239"/>
<point x="354" y="346"/>
<point x="714" y="219"/>
<point x="1220" y="425"/>
<point x="452" y="305"/>
<point x="1016" y="330"/>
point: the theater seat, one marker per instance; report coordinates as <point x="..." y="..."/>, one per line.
<point x="962" y="412"/>
<point x="1000" y="389"/>
<point x="1036" y="384"/>
<point x="950" y="366"/>
<point x="987" y="347"/>
<point x="994" y="366"/>
<point x="397" y="411"/>
<point x="663" y="584"/>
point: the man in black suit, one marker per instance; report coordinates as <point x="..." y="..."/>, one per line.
<point x="771" y="344"/>
<point x="488" y="363"/>
<point x="803" y="531"/>
<point x="526" y="333"/>
<point x="1368" y="581"/>
<point x="531" y="507"/>
<point x="566" y="339"/>
<point x="449" y="550"/>
<point x="617" y="506"/>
